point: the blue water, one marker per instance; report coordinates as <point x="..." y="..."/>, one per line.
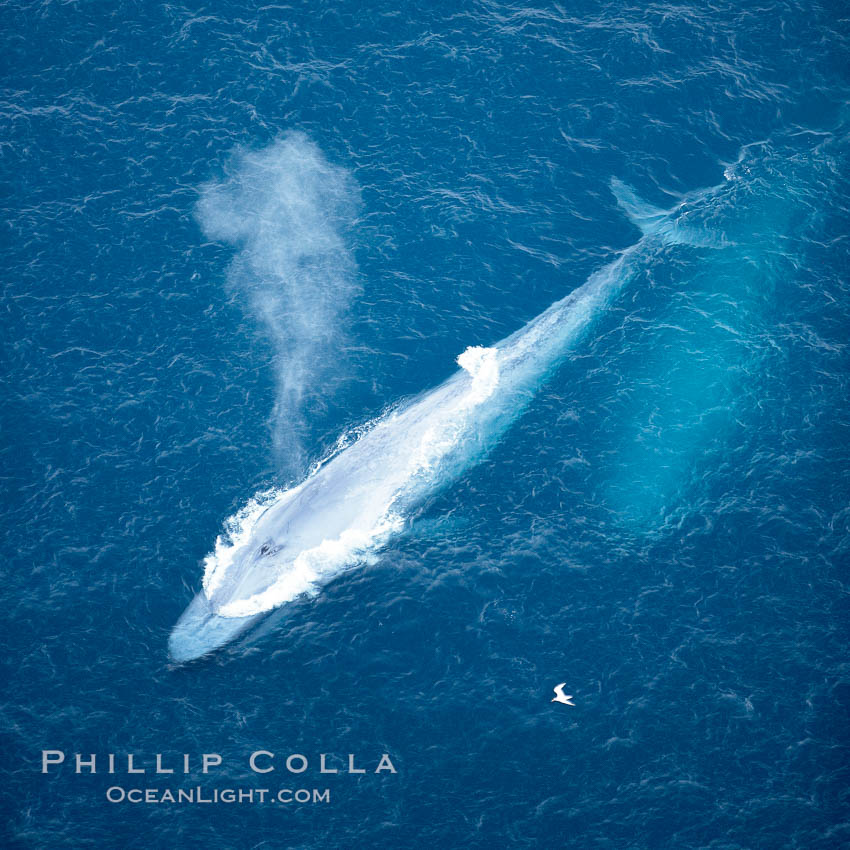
<point x="233" y="232"/>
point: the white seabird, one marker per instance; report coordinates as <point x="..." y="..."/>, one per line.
<point x="560" y="696"/>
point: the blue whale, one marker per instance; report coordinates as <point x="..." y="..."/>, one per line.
<point x="350" y="505"/>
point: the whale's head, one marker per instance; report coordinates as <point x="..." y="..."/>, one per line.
<point x="200" y="630"/>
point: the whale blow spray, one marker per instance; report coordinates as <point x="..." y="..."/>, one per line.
<point x="286" y="208"/>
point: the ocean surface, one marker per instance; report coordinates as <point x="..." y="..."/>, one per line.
<point x="236" y="233"/>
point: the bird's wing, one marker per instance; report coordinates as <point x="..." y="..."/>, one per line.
<point x="559" y="689"/>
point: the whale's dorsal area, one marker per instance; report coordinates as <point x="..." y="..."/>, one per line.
<point x="359" y="498"/>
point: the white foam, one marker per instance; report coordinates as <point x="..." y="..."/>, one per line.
<point x="482" y="365"/>
<point x="316" y="565"/>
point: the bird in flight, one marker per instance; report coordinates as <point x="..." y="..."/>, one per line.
<point x="560" y="696"/>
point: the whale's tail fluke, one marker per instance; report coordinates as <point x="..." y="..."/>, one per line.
<point x="648" y="218"/>
<point x="655" y="221"/>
